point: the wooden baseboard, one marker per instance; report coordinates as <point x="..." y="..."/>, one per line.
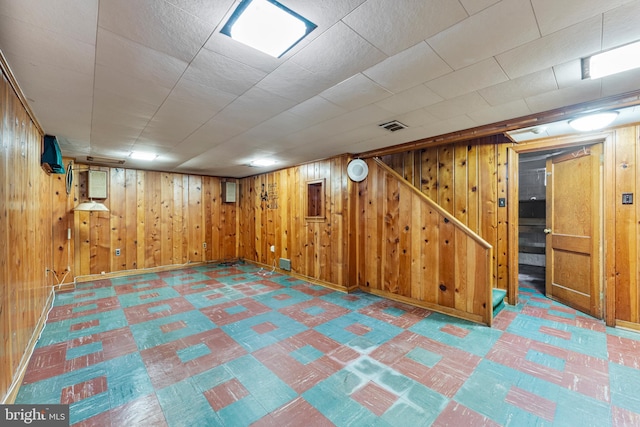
<point x="429" y="306"/>
<point x="124" y="273"/>
<point x="12" y="393"/>
<point x="630" y="326"/>
<point x="329" y="285"/>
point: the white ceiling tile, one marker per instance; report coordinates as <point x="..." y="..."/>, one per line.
<point x="219" y="72"/>
<point x="567" y="74"/>
<point x="158" y="25"/>
<point x="323" y="13"/>
<point x="368" y="115"/>
<point x="294" y="82"/>
<point x="206" y="10"/>
<point x="620" y="26"/>
<point x="475" y="6"/>
<point x="628" y="81"/>
<point x="497" y="113"/>
<point x="71" y="117"/>
<point x="458" y="106"/>
<point x="522" y="87"/>
<point x="254" y="107"/>
<point x="411" y="99"/>
<point x="588" y="90"/>
<point x="211" y="134"/>
<point x="555" y="15"/>
<point x="482" y="36"/>
<point x="174" y="122"/>
<point x="450" y="125"/>
<point x="200" y="96"/>
<point x="574" y="42"/>
<point x="45" y="48"/>
<point x="112" y="110"/>
<point x="74" y="19"/>
<point x="113" y="80"/>
<point x="418" y="117"/>
<point x="472" y="78"/>
<point x="233" y="49"/>
<point x="394" y="26"/>
<point x="338" y="54"/>
<point x="355" y="92"/>
<point x="135" y="60"/>
<point x="408" y="68"/>
<point x="276" y="127"/>
<point x="316" y="110"/>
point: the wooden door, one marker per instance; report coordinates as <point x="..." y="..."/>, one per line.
<point x="573" y="241"/>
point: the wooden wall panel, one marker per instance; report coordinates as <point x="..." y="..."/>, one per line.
<point x="156" y="219"/>
<point x="466" y="179"/>
<point x="26" y="224"/>
<point x="317" y="248"/>
<point x="627" y="224"/>
<point x="419" y="253"/>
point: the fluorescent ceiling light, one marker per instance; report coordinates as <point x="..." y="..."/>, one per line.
<point x="140" y="155"/>
<point x="593" y="121"/>
<point x="262" y="163"/>
<point x="613" y="61"/>
<point x="267" y="26"/>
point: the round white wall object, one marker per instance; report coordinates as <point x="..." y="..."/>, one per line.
<point x="357" y="170"/>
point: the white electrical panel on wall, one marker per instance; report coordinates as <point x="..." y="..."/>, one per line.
<point x="97" y="184"/>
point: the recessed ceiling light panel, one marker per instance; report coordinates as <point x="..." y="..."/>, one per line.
<point x="141" y="155"/>
<point x="262" y="163"/>
<point x="267" y="26"/>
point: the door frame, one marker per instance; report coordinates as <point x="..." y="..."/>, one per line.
<point x="607" y="208"/>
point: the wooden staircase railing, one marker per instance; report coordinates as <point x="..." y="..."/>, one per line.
<point x="414" y="251"/>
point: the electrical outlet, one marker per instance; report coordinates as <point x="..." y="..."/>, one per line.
<point x="118" y="252"/>
<point x="273" y="248"/>
<point x="204" y="245"/>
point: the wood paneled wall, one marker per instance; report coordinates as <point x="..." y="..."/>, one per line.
<point x="413" y="250"/>
<point x="627" y="227"/>
<point x="25" y="230"/>
<point x="467" y="180"/>
<point x="156" y="219"/>
<point x="319" y="248"/>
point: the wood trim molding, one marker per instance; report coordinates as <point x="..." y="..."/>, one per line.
<point x="18" y="377"/>
<point x="6" y="70"/>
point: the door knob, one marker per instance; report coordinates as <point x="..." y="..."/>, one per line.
<point x="547" y="231"/>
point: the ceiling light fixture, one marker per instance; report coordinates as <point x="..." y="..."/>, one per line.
<point x="593" y="121"/>
<point x="141" y="155"/>
<point x="267" y="26"/>
<point x="91" y="206"/>
<point x="613" y="61"/>
<point x="261" y="163"/>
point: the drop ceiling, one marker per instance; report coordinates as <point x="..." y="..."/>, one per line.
<point x="113" y="76"/>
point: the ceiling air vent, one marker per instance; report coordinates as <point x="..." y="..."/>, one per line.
<point x="393" y="126"/>
<point x="103" y="161"/>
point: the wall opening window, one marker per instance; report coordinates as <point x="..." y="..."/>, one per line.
<point x="315" y="200"/>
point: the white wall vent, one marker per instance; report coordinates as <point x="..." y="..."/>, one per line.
<point x="393" y="126"/>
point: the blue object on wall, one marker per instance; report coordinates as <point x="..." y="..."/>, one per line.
<point x="52" y="155"/>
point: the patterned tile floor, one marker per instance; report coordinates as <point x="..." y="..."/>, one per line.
<point x="232" y="345"/>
